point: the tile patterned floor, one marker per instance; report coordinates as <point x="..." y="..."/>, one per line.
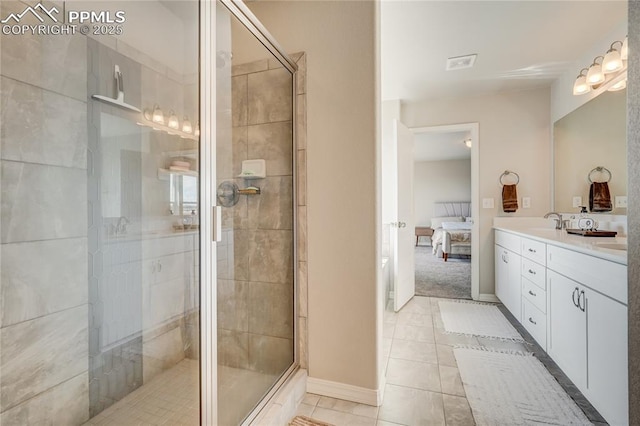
<point x="171" y="398"/>
<point x="423" y="383"/>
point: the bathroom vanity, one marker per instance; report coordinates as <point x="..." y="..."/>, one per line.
<point x="570" y="293"/>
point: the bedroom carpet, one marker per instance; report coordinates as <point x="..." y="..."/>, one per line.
<point x="437" y="278"/>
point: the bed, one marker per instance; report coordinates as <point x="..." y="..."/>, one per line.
<point x="451" y="226"/>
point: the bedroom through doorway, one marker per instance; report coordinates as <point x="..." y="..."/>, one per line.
<point x="443" y="211"/>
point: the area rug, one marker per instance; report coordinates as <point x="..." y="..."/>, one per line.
<point x="513" y="389"/>
<point x="437" y="278"/>
<point x="307" y="421"/>
<point x="477" y="319"/>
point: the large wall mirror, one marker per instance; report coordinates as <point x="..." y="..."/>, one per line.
<point x="594" y="135"/>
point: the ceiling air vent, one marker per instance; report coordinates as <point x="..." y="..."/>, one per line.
<point x="461" y="62"/>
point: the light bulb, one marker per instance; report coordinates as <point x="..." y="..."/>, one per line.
<point x="158" y="116"/>
<point x="186" y="125"/>
<point x="580" y="86"/>
<point x="611" y="62"/>
<point x="595" y="74"/>
<point x="173" y="121"/>
<point x="624" y="50"/>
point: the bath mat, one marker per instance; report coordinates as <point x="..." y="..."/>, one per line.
<point x="477" y="319"/>
<point x="307" y="421"/>
<point x="513" y="388"/>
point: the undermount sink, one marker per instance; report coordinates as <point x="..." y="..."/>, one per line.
<point x="613" y="246"/>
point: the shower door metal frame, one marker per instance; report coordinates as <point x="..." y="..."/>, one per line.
<point x="241" y="12"/>
<point x="208" y="311"/>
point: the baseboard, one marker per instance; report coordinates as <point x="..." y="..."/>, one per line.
<point x="485" y="297"/>
<point x="344" y="391"/>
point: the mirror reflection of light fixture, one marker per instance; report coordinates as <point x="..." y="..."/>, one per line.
<point x="158" y="116"/>
<point x="618" y="86"/>
<point x="580" y="86"/>
<point x="604" y="69"/>
<point x="467" y="143"/>
<point x="612" y="61"/>
<point x="173" y="120"/>
<point x="186" y="125"/>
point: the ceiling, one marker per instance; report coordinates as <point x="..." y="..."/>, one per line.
<point x="441" y="146"/>
<point x="520" y="44"/>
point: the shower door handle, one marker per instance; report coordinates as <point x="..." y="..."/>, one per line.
<point x="216" y="218"/>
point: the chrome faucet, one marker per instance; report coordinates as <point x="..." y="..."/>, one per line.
<point x="558" y="219"/>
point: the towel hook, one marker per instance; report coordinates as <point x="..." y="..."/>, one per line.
<point x="599" y="169"/>
<point x="507" y="173"/>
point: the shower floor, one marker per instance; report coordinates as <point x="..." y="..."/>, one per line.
<point x="172" y="398"/>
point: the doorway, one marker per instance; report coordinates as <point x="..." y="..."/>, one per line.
<point x="445" y="184"/>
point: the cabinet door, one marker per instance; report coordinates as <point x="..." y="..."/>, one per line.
<point x="508" y="280"/>
<point x="567" y="339"/>
<point x="501" y="273"/>
<point x="607" y="361"/>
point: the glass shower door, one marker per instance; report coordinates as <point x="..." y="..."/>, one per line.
<point x="100" y="238"/>
<point x="255" y="189"/>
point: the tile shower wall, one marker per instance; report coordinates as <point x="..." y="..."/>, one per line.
<point x="43" y="286"/>
<point x="255" y="258"/>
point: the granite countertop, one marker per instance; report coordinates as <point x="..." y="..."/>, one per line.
<point x="593" y="246"/>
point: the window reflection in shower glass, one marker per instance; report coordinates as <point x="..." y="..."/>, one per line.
<point x="255" y="257"/>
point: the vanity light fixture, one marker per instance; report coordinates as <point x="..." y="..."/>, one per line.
<point x="580" y="86"/>
<point x="604" y="69"/>
<point x="612" y="61"/>
<point x="173" y="120"/>
<point x="158" y="116"/>
<point x="618" y="86"/>
<point x="186" y="125"/>
<point x="595" y="74"/>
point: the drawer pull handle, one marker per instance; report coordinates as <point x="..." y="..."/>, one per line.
<point x="532" y="272"/>
<point x="532" y="293"/>
<point x="532" y="321"/>
<point x="532" y="250"/>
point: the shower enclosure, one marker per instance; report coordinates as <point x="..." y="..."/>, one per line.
<point x="117" y="304"/>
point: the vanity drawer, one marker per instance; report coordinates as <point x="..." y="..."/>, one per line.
<point x="534" y="272"/>
<point x="534" y="294"/>
<point x="534" y="250"/>
<point x="535" y="321"/>
<point x="508" y="241"/>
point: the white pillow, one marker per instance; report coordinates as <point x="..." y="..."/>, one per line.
<point x="457" y="225"/>
<point x="436" y="222"/>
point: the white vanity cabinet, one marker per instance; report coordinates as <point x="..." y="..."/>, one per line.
<point x="508" y="271"/>
<point x="588" y="328"/>
<point x="574" y="304"/>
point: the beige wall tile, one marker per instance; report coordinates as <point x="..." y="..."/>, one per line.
<point x="273" y="208"/>
<point x="239" y="101"/>
<point x="251" y="67"/>
<point x="302" y="177"/>
<point x="233" y="299"/>
<point x="65" y="404"/>
<point x="302" y="289"/>
<point x="271" y="309"/>
<point x="42" y="127"/>
<point x="41" y="353"/>
<point x="161" y="353"/>
<point x="272" y="142"/>
<point x="57" y="283"/>
<point x="271" y="256"/>
<point x="233" y="349"/>
<point x="270" y="96"/>
<point x="270" y="355"/>
<point x="302" y="233"/>
<point x="42" y="202"/>
<point x="301" y="122"/>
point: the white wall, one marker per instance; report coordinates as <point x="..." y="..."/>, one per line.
<point x="340" y="41"/>
<point x="389" y="171"/>
<point x="514" y="134"/>
<point x="436" y="181"/>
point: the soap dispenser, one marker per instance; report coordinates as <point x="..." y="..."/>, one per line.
<point x="584" y="222"/>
